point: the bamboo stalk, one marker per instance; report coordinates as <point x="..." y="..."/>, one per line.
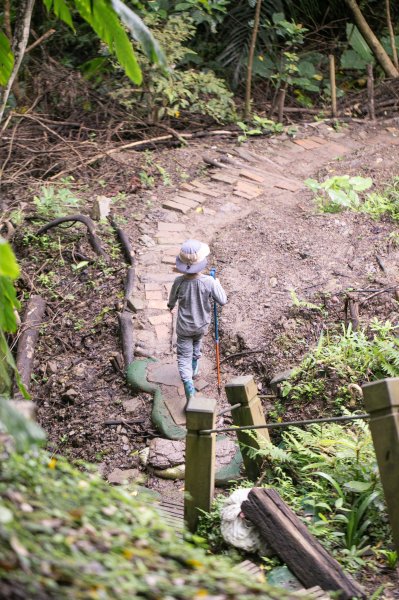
<point x="370" y="92"/>
<point x="251" y="59"/>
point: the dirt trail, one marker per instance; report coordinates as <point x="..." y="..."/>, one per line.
<point x="263" y="246"/>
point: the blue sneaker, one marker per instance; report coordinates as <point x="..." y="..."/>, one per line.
<point x="189" y="389"/>
<point x="195" y="366"/>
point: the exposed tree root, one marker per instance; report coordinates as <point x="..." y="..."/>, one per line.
<point x="93" y="238"/>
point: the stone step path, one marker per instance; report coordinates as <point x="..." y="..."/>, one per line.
<point x="241" y="180"/>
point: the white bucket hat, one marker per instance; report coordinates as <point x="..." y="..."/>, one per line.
<point x="192" y="257"/>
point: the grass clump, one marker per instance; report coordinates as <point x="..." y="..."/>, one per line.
<point x="344" y="358"/>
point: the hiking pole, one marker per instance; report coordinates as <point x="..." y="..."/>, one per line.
<point x="215" y="318"/>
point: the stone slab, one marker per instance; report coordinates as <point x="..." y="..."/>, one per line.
<point x="224" y="177"/>
<point x="292" y="147"/>
<point x="192" y="196"/>
<point x="163" y="226"/>
<point x="152" y="287"/>
<point x="200" y="384"/>
<point x="168" y="204"/>
<point x="145" y="336"/>
<point x="318" y="140"/>
<point x="175" y="403"/>
<point x="248" y="174"/>
<point x="119" y="476"/>
<point x="166" y="453"/>
<point x="154" y="294"/>
<point x="163" y="333"/>
<point x="165" y="374"/>
<point x="157" y="277"/>
<point x="164" y="319"/>
<point x="168" y="259"/>
<point x="171" y="238"/>
<point x="157" y="304"/>
<point x="185" y="201"/>
<point x="285" y="184"/>
<point x="204" y="189"/>
<point x="244" y="195"/>
<point x="307" y="143"/>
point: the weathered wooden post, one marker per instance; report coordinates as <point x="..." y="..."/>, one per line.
<point x="381" y="400"/>
<point x="333" y="87"/>
<point x="244" y="391"/>
<point x="200" y="458"/>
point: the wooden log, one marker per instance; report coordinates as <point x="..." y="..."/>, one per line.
<point x="289" y="538"/>
<point x="125" y="319"/>
<point x="93" y="238"/>
<point x="27" y="341"/>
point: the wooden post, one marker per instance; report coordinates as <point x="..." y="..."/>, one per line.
<point x="381" y="400"/>
<point x="243" y="390"/>
<point x="370" y="92"/>
<point x="200" y="458"/>
<point x="333" y="87"/>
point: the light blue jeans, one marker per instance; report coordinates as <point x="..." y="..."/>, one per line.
<point x="188" y="349"/>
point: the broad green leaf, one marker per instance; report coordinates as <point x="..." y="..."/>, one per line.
<point x="360" y="184"/>
<point x="6" y="59"/>
<point x="7" y="365"/>
<point x="352" y="60"/>
<point x="139" y="32"/>
<point x="25" y="432"/>
<point x="8" y="263"/>
<point x="358" y="43"/>
<point x="8" y="301"/>
<point x="61" y="10"/>
<point x="357" y="486"/>
<point x="102" y="18"/>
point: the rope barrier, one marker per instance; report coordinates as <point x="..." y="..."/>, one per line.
<point x="282" y="425"/>
<point x="228" y="409"/>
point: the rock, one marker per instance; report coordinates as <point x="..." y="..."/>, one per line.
<point x="79" y="371"/>
<point x="69" y="396"/>
<point x="136" y="304"/>
<point x="279" y="378"/>
<point x="101" y="208"/>
<point x="131" y="405"/>
<point x="273" y="281"/>
<point x="166" y="453"/>
<point x="52" y="366"/>
<point x="147" y="241"/>
<point x="119" y="476"/>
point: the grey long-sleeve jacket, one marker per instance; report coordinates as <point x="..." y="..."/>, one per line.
<point x="195" y="297"/>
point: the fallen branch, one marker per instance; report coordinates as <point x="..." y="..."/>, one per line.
<point x="93" y="238"/>
<point x="125" y="243"/>
<point x="27" y="341"/>
<point x="125" y="319"/>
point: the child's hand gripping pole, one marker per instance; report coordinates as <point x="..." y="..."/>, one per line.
<point x="215" y="318"/>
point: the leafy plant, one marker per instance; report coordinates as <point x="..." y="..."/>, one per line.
<point x="9" y="271"/>
<point x="339" y="192"/>
<point x="53" y="202"/>
<point x="340" y="359"/>
<point x="260" y="126"/>
<point x="303" y="303"/>
<point x="179" y="89"/>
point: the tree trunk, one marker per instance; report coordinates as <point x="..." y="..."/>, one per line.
<point x="391" y="34"/>
<point x="251" y="59"/>
<point x="19" y="43"/>
<point x="378" y="51"/>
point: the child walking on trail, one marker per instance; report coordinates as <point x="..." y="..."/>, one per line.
<point x="194" y="292"/>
